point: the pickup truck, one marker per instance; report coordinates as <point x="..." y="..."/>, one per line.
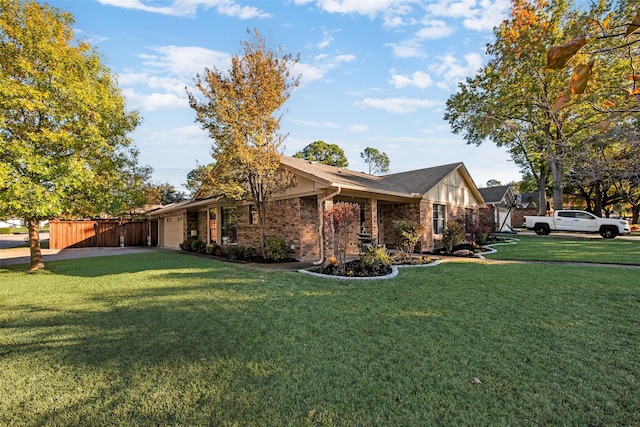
<point x="581" y="221"/>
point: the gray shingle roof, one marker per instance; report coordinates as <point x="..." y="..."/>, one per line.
<point x="493" y="194"/>
<point x="411" y="182"/>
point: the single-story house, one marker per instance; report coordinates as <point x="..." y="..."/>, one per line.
<point x="431" y="196"/>
<point x="500" y="201"/>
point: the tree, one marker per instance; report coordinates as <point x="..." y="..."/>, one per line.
<point x="239" y="112"/>
<point x="378" y="162"/>
<point x="198" y="178"/>
<point x="519" y="103"/>
<point x="321" y="152"/>
<point x="343" y="219"/>
<point x="63" y="122"/>
<point x="493" y="183"/>
<point x="163" y="194"/>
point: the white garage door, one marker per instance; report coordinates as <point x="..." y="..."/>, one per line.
<point x="173" y="226"/>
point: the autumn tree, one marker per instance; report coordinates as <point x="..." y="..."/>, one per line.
<point x="321" y="152"/>
<point x="163" y="194"/>
<point x="343" y="220"/>
<point x="377" y="161"/>
<point x="521" y="103"/>
<point x="64" y="149"/>
<point x="240" y="110"/>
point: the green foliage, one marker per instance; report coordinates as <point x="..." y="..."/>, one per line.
<point x="5" y="230"/>
<point x="373" y="257"/>
<point x="199" y="179"/>
<point x="211" y="249"/>
<point x="407" y="234"/>
<point x="276" y="249"/>
<point x="377" y="161"/>
<point x="453" y="235"/>
<point x="163" y="194"/>
<point x="199" y="246"/>
<point x="64" y="127"/>
<point x="321" y="152"/>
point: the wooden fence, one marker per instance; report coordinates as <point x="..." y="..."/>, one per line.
<point x="102" y="233"/>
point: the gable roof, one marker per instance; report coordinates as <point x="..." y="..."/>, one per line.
<point x="495" y="194"/>
<point x="413" y="183"/>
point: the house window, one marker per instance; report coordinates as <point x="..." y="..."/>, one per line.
<point x="438" y="219"/>
<point x="213" y="225"/>
<point x="229" y="225"/>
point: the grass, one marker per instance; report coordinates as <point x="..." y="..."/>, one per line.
<point x="168" y="339"/>
<point x="589" y="250"/>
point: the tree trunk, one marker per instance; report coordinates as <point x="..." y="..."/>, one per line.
<point x="34" y="245"/>
<point x="635" y="214"/>
<point x="542" y="195"/>
<point x="557" y="174"/>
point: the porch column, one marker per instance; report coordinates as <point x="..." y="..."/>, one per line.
<point x="426" y="220"/>
<point x="371" y="218"/>
<point x="329" y="250"/>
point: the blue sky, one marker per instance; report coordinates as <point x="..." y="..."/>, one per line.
<point x="374" y="73"/>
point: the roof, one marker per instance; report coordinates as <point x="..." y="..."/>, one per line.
<point x="494" y="194"/>
<point x="410" y="183"/>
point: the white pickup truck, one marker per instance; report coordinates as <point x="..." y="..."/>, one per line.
<point x="581" y="221"/>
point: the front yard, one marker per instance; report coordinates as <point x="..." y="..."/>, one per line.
<point x="168" y="339"/>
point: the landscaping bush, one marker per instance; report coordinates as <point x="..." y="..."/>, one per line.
<point x="234" y="252"/>
<point x="374" y="257"/>
<point x="453" y="235"/>
<point x="198" y="246"/>
<point x="186" y="246"/>
<point x="276" y="249"/>
<point x="407" y="235"/>
<point x="211" y="249"/>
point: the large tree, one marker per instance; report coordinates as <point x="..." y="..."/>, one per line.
<point x="377" y="161"/>
<point x="240" y="110"/>
<point x="521" y="101"/>
<point x="63" y="123"/>
<point x="321" y="152"/>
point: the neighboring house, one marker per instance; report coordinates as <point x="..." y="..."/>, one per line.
<point x="430" y="196"/>
<point x="500" y="201"/>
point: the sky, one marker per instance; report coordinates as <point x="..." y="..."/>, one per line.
<point x="373" y="73"/>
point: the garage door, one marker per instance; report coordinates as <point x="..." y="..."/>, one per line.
<point x="173" y="235"/>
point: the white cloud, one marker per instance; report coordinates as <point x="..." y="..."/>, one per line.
<point x="327" y="39"/>
<point x="154" y="101"/>
<point x="489" y="16"/>
<point x="453" y="71"/>
<point x="190" y="7"/>
<point x="311" y="72"/>
<point x="396" y="105"/>
<point x="418" y="79"/>
<point x="434" y="30"/>
<point x="186" y="60"/>
<point x="368" y="8"/>
<point x="407" y="49"/>
<point x="358" y="128"/>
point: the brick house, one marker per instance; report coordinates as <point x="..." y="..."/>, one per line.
<point x="500" y="201"/>
<point x="430" y="196"/>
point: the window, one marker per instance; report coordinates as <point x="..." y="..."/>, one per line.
<point x="213" y="225"/>
<point x="229" y="225"/>
<point x="438" y="219"/>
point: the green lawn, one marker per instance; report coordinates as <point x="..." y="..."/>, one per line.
<point x="551" y="248"/>
<point x="170" y="339"/>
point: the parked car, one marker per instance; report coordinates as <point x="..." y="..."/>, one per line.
<point x="578" y="221"/>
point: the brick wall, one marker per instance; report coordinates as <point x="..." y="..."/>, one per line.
<point x="293" y="220"/>
<point x="518" y="214"/>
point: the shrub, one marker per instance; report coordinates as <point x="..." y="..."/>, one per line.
<point x="250" y="253"/>
<point x="211" y="249"/>
<point x="373" y="257"/>
<point x="407" y="235"/>
<point x="234" y="252"/>
<point x="186" y="246"/>
<point x="198" y="246"/>
<point x="276" y="249"/>
<point x="453" y="235"/>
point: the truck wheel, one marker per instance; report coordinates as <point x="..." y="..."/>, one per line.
<point x="541" y="229"/>
<point x="608" y="232"/>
